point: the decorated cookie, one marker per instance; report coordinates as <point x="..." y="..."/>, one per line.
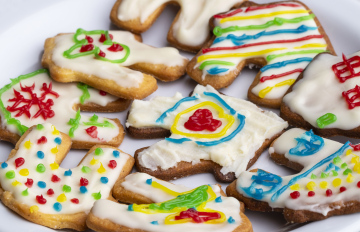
<point x="327" y="185"/>
<point x="175" y="208"/>
<point x="282" y="37"/>
<point x="327" y="97"/>
<point x="210" y="132"/>
<point x="113" y="61"/>
<point x="190" y="29"/>
<point x="35" y="98"/>
<point x="34" y="186"/>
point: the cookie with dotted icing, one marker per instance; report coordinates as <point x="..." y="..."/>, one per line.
<point x="327" y="184"/>
<point x="210" y="132"/>
<point x="35" y="98"/>
<point x="114" y="61"/>
<point x="326" y="98"/>
<point x="34" y="186"/>
<point x="280" y="37"/>
<point x="189" y="30"/>
<point x="171" y="207"/>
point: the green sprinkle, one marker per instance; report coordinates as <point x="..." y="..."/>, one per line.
<point x="10" y="174"/>
<point x="25" y="192"/>
<point x="326" y="120"/>
<point x="74" y="123"/>
<point x="337" y="160"/>
<point x="40" y="168"/>
<point x="39" y="127"/>
<point x="85" y="169"/>
<point x="344" y="165"/>
<point x="334" y="173"/>
<point x="66" y="188"/>
<point x="324" y="175"/>
<point x="94" y="118"/>
<point x="347" y="171"/>
<point x="96" y="196"/>
<point x="313" y="176"/>
<point x="99" y="151"/>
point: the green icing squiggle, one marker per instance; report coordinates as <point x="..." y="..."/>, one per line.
<point x="271" y="57"/>
<point x="84" y="89"/>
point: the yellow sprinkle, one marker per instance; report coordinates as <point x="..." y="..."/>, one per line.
<point x="348" y="152"/>
<point x="349" y="178"/>
<point x="357" y="168"/>
<point x="295" y="187"/>
<point x="336" y="182"/>
<point x="266" y="90"/>
<point x="323" y="184"/>
<point x="101" y="169"/>
<point x="27" y="144"/>
<point x="24" y="172"/>
<point x="15" y="183"/>
<point x="94" y="161"/>
<point x="311" y="45"/>
<point x="54" y="150"/>
<point x="235" y="18"/>
<point x="34" y="208"/>
<point x="54" y="166"/>
<point x="55" y="131"/>
<point x="311" y="186"/>
<point x="355" y="159"/>
<point x="61" y="198"/>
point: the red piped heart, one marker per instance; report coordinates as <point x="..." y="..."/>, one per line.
<point x="202" y="119"/>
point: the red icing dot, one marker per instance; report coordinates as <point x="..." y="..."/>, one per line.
<point x="358" y="184"/>
<point x="92" y="131"/>
<point x="342" y="189"/>
<point x="328" y="192"/>
<point x="112" y="164"/>
<point x="83" y="182"/>
<point x="102" y="93"/>
<point x="103" y="38"/>
<point x="102" y="54"/>
<point x="295" y="194"/>
<point x="42" y="140"/>
<point x="311" y="193"/>
<point x="50" y="192"/>
<point x="86" y="48"/>
<point x="115" y="48"/>
<point x="19" y="161"/>
<point x="40" y="199"/>
<point x="29" y="182"/>
<point x="202" y="119"/>
<point x="55" y="178"/>
<point x="89" y="39"/>
<point x="75" y="201"/>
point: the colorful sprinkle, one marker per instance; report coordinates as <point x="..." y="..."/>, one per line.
<point x="311" y="185"/>
<point x="42" y="140"/>
<point x="19" y="162"/>
<point x="231" y="220"/>
<point x="50" y="192"/>
<point x="149" y="181"/>
<point x="29" y="182"/>
<point x="15" y="183"/>
<point x="295" y="187"/>
<point x="83" y="189"/>
<point x="112" y="164"/>
<point x="295" y="194"/>
<point x="323" y="184"/>
<point x="61" y="198"/>
<point x="313" y="176"/>
<point x="25" y="192"/>
<point x="40" y="154"/>
<point x="130" y="208"/>
<point x="85" y="169"/>
<point x="324" y="175"/>
<point x="218" y="199"/>
<point x="347" y="171"/>
<point x="40" y="168"/>
<point x="326" y="120"/>
<point x="311" y="193"/>
<point x="54" y="150"/>
<point x="41" y="184"/>
<point x="24" y="172"/>
<point x="57" y="207"/>
<point x="335" y="173"/>
<point x="55" y="178"/>
<point x="94" y="161"/>
<point x="57" y="140"/>
<point x="104" y="180"/>
<point x="55" y="131"/>
<point x="155" y="222"/>
<point x="116" y="153"/>
<point x="336" y="182"/>
<point x="54" y="166"/>
<point x="75" y="201"/>
<point x="83" y="181"/>
<point x="358" y="184"/>
<point x="99" y="151"/>
<point x="68" y="173"/>
<point x="34" y="208"/>
<point x="10" y="174"/>
<point x="40" y="199"/>
<point x="328" y="192"/>
<point x="101" y="169"/>
<point x="337" y="160"/>
<point x="344" y="165"/>
<point x="349" y="178"/>
<point x="96" y="196"/>
<point x="66" y="188"/>
<point x="342" y="189"/>
<point x="39" y="127"/>
<point x="4" y="165"/>
<point x="27" y="144"/>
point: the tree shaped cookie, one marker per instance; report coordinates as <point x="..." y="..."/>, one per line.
<point x="106" y="59"/>
<point x="327" y="184"/>
<point x="210" y="132"/>
<point x="190" y="29"/>
<point x="327" y="97"/>
<point x="34" y="186"/>
<point x="282" y="37"/>
<point x="35" y="98"/>
<point x="175" y="208"/>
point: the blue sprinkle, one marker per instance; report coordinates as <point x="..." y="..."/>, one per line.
<point x="83" y="189"/>
<point x="130" y="208"/>
<point x="4" y="165"/>
<point x="116" y="154"/>
<point x="57" y="206"/>
<point x="40" y="154"/>
<point x="231" y="220"/>
<point x="104" y="180"/>
<point x="41" y="184"/>
<point x="57" y="140"/>
<point x="216" y="70"/>
<point x="337" y="168"/>
<point x="149" y="181"/>
<point x="68" y="173"/>
<point x="154" y="222"/>
<point x="218" y="199"/>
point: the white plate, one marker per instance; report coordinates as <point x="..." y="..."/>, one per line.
<point x="24" y="26"/>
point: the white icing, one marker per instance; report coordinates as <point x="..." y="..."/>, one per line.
<point x="192" y="26"/>
<point x="31" y="161"/>
<point x="233" y="155"/>
<point x="69" y="96"/>
<point x="320" y="92"/>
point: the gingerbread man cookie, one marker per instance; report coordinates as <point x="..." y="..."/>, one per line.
<point x="34" y="186"/>
<point x="170" y="208"/>
<point x="210" y="132"/>
<point x="113" y="61"/>
<point x="282" y="37"/>
<point x="327" y="184"/>
<point x="35" y="98"/>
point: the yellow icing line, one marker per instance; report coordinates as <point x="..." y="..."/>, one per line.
<point x="235" y="18"/>
<point x="266" y="90"/>
<point x="312" y="45"/>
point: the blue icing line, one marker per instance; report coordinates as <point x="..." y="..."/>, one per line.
<point x="155" y="222"/>
<point x="236" y="39"/>
<point x="216" y="70"/>
<point x="298" y="177"/>
<point x="310" y="146"/>
<point x="286" y="62"/>
<point x="222" y="102"/>
<point x="178" y="141"/>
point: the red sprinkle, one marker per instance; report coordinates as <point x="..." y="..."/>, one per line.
<point x="55" y="178"/>
<point x="89" y="39"/>
<point x="92" y="131"/>
<point x="342" y="189"/>
<point x="202" y="119"/>
<point x="103" y="38"/>
<point x="83" y="182"/>
<point x="29" y="182"/>
<point x="358" y="184"/>
<point x="102" y="54"/>
<point x="102" y="93"/>
<point x="115" y="48"/>
<point x="19" y="161"/>
<point x="295" y="194"/>
<point x="328" y="192"/>
<point x="75" y="201"/>
<point x="40" y="199"/>
<point x="50" y="192"/>
<point x="42" y="140"/>
<point x="311" y="193"/>
<point x="86" y="48"/>
<point x="112" y="164"/>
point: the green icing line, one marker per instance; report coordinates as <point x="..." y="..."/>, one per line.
<point x="218" y="31"/>
<point x="316" y="51"/>
<point x="85" y="90"/>
<point x="74" y="123"/>
<point x="212" y="62"/>
<point x="326" y="120"/>
<point x="94" y="122"/>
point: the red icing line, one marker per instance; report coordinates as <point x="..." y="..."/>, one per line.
<point x="92" y="131"/>
<point x="221" y="16"/>
<point x="253" y="8"/>
<point x="202" y="119"/>
<point x="42" y="140"/>
<point x="265" y="78"/>
<point x="349" y="64"/>
<point x="355" y="94"/>
<point x="197" y="216"/>
<point x="206" y="50"/>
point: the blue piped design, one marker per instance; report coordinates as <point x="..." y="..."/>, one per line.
<point x="41" y="184"/>
<point x="216" y="70"/>
<point x="221" y="101"/>
<point x="40" y="154"/>
<point x="285" y="62"/>
<point x="68" y="173"/>
<point x="178" y="141"/>
<point x="155" y="222"/>
<point x="149" y="181"/>
<point x="57" y="140"/>
<point x="83" y="189"/>
<point x="130" y="208"/>
<point x="104" y="180"/>
<point x="231" y="220"/>
<point x="116" y="153"/>
<point x="57" y="207"/>
<point x="218" y="199"/>
<point x="4" y="165"/>
<point x="310" y="142"/>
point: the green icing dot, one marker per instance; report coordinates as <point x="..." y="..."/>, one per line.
<point x="334" y="173"/>
<point x="98" y="151"/>
<point x="347" y="171"/>
<point x="40" y="168"/>
<point x="337" y="160"/>
<point x="313" y="176"/>
<point x="85" y="169"/>
<point x="25" y="192"/>
<point x="39" y="127"/>
<point x="344" y="165"/>
<point x="66" y="188"/>
<point x="96" y="196"/>
<point x="94" y="118"/>
<point x="324" y="175"/>
<point x="10" y="174"/>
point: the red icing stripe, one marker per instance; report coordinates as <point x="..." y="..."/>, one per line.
<point x="253" y="8"/>
<point x="266" y="78"/>
<point x="221" y="16"/>
<point x="206" y="50"/>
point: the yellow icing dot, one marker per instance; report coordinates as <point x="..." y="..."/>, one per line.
<point x="101" y="169"/>
<point x="355" y="159"/>
<point x="15" y="183"/>
<point x="295" y="187"/>
<point x="336" y="182"/>
<point x="323" y="184"/>
<point x="34" y="208"/>
<point x="55" y="131"/>
<point x="94" y="161"/>
<point x="27" y="144"/>
<point x="24" y="172"/>
<point x="54" y="166"/>
<point x="311" y="186"/>
<point x="349" y="178"/>
<point x="54" y="150"/>
<point x="357" y="168"/>
<point x="61" y="198"/>
<point x="348" y="152"/>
